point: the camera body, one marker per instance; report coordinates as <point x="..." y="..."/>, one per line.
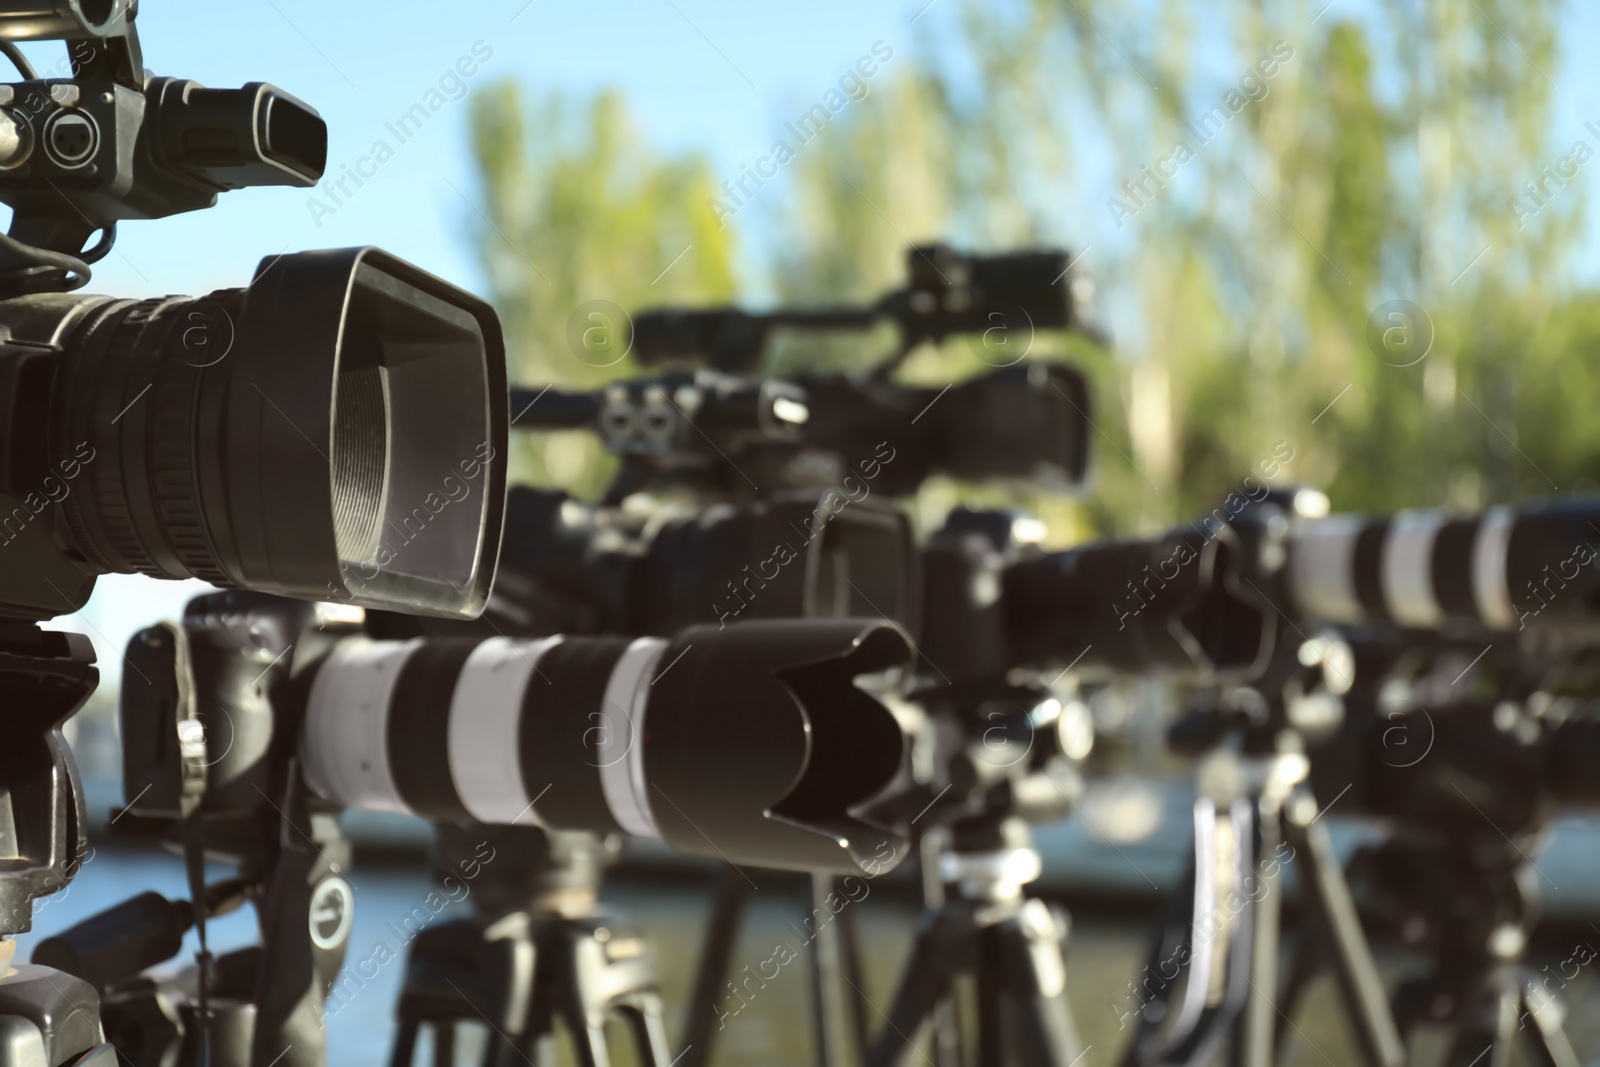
<point x="570" y="567"/>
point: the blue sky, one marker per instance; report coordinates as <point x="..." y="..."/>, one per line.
<point x="715" y="75"/>
<point x="712" y="74"/>
<point x="719" y="76"/>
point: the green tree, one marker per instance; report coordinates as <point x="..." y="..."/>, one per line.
<point x="1347" y="162"/>
<point x="585" y="224"/>
<point x="1333" y="162"/>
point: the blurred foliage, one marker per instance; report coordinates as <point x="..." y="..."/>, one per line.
<point x="1384" y="157"/>
<point x="579" y="212"/>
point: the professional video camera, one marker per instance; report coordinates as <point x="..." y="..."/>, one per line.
<point x="208" y="769"/>
<point x="703" y="432"/>
<point x="1444" y="665"/>
<point x="334" y="430"/>
<point x="716" y="430"/>
<point x="292" y="436"/>
<point x="802" y="743"/>
<point x="1211" y="599"/>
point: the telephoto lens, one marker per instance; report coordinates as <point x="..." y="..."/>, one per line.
<point x="755" y="743"/>
<point x="1504" y="568"/>
<point x="1178" y="605"/>
<point x="334" y="431"/>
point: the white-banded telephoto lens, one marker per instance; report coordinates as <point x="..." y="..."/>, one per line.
<point x="1504" y="568"/>
<point x="753" y="743"/>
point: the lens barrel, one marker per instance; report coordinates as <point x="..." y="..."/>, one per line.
<point x="334" y="431"/>
<point x="1504" y="568"/>
<point x="751" y="743"/>
<point x="1175" y="605"/>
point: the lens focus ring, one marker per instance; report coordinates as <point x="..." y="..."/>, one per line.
<point x="174" y="444"/>
<point x="134" y="397"/>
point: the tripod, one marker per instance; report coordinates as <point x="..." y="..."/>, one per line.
<point x="538" y="951"/>
<point x="1012" y="947"/>
<point x="1252" y="814"/>
<point x="1470" y="904"/>
<point x="838" y="1016"/>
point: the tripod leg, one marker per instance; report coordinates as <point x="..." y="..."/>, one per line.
<point x="590" y="1041"/>
<point x="1328" y="895"/>
<point x="947" y="1038"/>
<point x="1022" y="992"/>
<point x="1550" y="1044"/>
<point x="831" y="1036"/>
<point x="1172" y="938"/>
<point x="575" y="1003"/>
<point x="539" y="1036"/>
<point x="649" y="1028"/>
<point x="850" y="955"/>
<point x="1309" y="958"/>
<point x="991" y="1006"/>
<point x="701" y="1019"/>
<point x="1257" y="1026"/>
<point x="444" y="1043"/>
<point x="924" y="980"/>
<point x="1487" y="1027"/>
<point x="405" y="1044"/>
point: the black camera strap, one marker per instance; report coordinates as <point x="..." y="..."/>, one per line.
<point x="194" y="862"/>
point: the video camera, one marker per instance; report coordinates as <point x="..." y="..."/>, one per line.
<point x="714" y="428"/>
<point x="79" y="154"/>
<point x="1501" y="569"/>
<point x="335" y="430"/>
<point x="1208" y="598"/>
<point x="291" y="436"/>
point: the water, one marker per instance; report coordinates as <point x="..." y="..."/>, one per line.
<point x="769" y="1025"/>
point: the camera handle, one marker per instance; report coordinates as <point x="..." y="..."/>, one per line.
<point x="105" y="51"/>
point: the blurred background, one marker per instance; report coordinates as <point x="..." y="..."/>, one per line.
<point x="1251" y="184"/>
